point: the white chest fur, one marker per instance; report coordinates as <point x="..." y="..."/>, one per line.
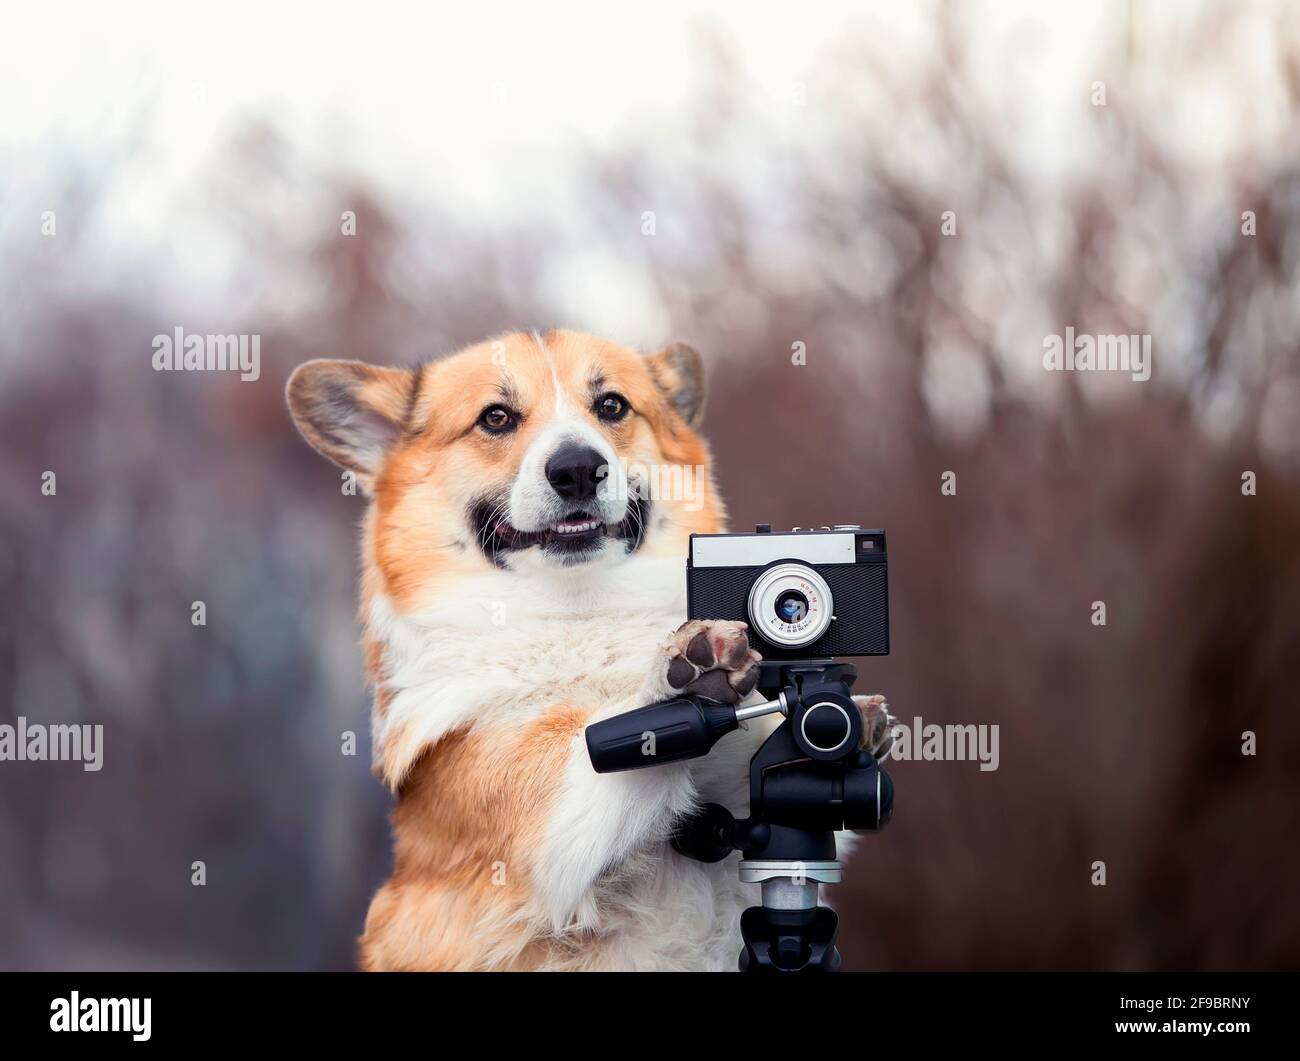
<point x="501" y="650"/>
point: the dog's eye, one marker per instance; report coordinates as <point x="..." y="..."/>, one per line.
<point x="498" y="419"/>
<point x="612" y="406"/>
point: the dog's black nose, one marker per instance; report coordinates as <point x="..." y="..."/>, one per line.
<point x="574" y="471"/>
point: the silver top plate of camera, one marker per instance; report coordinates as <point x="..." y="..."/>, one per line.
<point x="757" y="550"/>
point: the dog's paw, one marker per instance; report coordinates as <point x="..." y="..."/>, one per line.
<point x="877" y="724"/>
<point x="710" y="657"/>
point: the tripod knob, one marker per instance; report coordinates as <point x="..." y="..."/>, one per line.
<point x="704" y="836"/>
<point x="826" y="725"/>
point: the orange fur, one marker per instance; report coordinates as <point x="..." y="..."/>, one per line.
<point x="464" y="826"/>
<point x="470" y="810"/>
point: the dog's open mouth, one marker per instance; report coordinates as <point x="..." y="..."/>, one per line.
<point x="578" y="533"/>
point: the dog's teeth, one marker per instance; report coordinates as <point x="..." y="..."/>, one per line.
<point x="576" y="527"/>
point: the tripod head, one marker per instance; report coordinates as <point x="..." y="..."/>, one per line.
<point x="810" y="778"/>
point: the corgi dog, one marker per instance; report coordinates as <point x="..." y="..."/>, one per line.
<point x="521" y="580"/>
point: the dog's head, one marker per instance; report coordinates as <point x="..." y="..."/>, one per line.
<point x="529" y="453"/>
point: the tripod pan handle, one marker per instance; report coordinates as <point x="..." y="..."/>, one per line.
<point x="684" y="728"/>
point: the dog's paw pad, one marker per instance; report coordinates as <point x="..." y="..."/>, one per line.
<point x="712" y="658"/>
<point x="877" y="724"/>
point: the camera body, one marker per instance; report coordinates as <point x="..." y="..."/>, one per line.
<point x="806" y="594"/>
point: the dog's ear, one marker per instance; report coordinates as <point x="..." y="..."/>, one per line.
<point x="349" y="411"/>
<point x="678" y="372"/>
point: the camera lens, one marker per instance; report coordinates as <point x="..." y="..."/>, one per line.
<point x="791" y="606"/>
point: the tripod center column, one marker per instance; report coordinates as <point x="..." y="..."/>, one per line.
<point x="785" y="893"/>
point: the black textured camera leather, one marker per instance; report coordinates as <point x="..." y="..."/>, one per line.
<point x="860" y="592"/>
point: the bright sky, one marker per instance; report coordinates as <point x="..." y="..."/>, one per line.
<point x="417" y="82"/>
<point x="480" y="83"/>
<point x="485" y="105"/>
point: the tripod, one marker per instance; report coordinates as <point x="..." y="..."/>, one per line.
<point x="810" y="778"/>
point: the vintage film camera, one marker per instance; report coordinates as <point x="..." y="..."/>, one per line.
<point x="807" y="597"/>
<point x="806" y="594"/>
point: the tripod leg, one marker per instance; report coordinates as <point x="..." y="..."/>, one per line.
<point x="790" y="941"/>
